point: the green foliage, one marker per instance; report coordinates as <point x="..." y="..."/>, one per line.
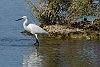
<point x="49" y="13"/>
<point x="81" y="7"/>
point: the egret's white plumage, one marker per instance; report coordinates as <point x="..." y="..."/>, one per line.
<point x="32" y="28"/>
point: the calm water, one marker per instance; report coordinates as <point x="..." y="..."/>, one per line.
<point x="13" y="45"/>
<point x="64" y="53"/>
<point x="17" y="50"/>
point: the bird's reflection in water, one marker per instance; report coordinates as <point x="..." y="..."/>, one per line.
<point x="33" y="59"/>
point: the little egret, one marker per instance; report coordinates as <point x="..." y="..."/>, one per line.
<point x="32" y="28"/>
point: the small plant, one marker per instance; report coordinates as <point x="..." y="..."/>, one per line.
<point x="80" y="8"/>
<point x="50" y="12"/>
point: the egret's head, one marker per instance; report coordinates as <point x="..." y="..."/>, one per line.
<point x="24" y="17"/>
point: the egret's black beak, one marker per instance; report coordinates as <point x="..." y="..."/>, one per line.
<point x="19" y="19"/>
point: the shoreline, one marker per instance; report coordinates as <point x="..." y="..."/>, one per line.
<point x="67" y="31"/>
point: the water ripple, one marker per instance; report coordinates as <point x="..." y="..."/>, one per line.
<point x="11" y="40"/>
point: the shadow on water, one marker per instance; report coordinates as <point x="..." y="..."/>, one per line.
<point x="64" y="53"/>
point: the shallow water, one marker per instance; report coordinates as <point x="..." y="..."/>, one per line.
<point x="64" y="53"/>
<point x="13" y="45"/>
<point x="17" y="50"/>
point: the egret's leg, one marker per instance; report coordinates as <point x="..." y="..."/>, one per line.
<point x="37" y="42"/>
<point x="36" y="36"/>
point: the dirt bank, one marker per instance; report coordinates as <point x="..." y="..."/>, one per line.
<point x="83" y="31"/>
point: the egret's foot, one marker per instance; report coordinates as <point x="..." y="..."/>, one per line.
<point x="37" y="42"/>
<point x="24" y="31"/>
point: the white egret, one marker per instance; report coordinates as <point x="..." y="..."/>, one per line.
<point x="32" y="28"/>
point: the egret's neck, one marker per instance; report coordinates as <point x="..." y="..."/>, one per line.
<point x="25" y="24"/>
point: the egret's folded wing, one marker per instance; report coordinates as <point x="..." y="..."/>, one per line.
<point x="36" y="29"/>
